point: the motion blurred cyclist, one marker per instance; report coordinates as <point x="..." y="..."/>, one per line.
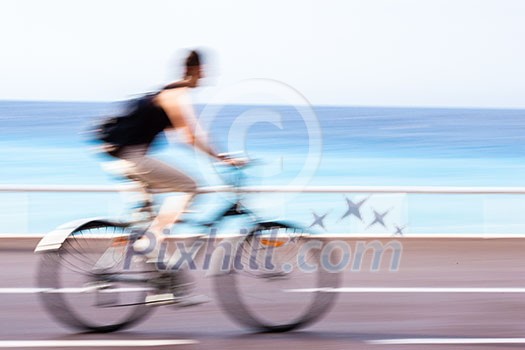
<point x="168" y="109"/>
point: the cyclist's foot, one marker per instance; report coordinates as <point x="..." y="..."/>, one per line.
<point x="174" y="287"/>
<point x="160" y="299"/>
<point x="180" y="301"/>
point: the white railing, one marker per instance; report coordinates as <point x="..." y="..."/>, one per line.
<point x="277" y="189"/>
<point x="512" y="223"/>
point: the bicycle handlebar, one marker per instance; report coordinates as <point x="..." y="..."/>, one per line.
<point x="236" y="169"/>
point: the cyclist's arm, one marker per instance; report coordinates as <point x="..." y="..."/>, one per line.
<point x="177" y="105"/>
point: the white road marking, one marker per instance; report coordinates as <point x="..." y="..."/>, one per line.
<point x="69" y="290"/>
<point x="450" y="341"/>
<point x="21" y="290"/>
<point x="408" y="290"/>
<point x="301" y="290"/>
<point x="93" y="343"/>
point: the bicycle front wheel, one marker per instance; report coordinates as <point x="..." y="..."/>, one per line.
<point x="276" y="279"/>
<point x="81" y="288"/>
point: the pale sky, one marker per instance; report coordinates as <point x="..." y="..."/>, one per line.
<point x="445" y="53"/>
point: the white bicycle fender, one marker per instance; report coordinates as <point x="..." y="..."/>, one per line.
<point x="54" y="239"/>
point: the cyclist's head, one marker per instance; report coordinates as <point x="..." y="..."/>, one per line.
<point x="193" y="68"/>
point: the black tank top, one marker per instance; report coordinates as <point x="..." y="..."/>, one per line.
<point x="149" y="121"/>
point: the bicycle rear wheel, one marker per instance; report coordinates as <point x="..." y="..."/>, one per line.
<point x="272" y="285"/>
<point x="82" y="292"/>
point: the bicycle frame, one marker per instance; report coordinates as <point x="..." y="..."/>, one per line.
<point x="235" y="209"/>
<point x="53" y="240"/>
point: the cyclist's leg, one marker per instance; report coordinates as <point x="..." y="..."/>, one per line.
<point x="161" y="177"/>
<point x="164" y="178"/>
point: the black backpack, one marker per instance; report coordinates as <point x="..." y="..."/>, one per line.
<point x="114" y="132"/>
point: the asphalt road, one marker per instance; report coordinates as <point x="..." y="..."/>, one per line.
<point x="447" y="294"/>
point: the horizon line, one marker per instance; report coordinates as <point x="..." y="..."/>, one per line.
<point x="267" y="104"/>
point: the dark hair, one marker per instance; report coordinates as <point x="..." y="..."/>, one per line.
<point x="193" y="59"/>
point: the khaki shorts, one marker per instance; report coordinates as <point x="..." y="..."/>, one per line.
<point x="158" y="175"/>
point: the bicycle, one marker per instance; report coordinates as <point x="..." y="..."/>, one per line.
<point x="93" y="280"/>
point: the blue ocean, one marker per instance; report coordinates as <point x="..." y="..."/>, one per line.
<point x="45" y="143"/>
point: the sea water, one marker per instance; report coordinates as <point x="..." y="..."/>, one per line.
<point x="49" y="143"/>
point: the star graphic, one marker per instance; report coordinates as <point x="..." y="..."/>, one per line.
<point x="399" y="230"/>
<point x="318" y="220"/>
<point x="353" y="208"/>
<point x="379" y="218"/>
